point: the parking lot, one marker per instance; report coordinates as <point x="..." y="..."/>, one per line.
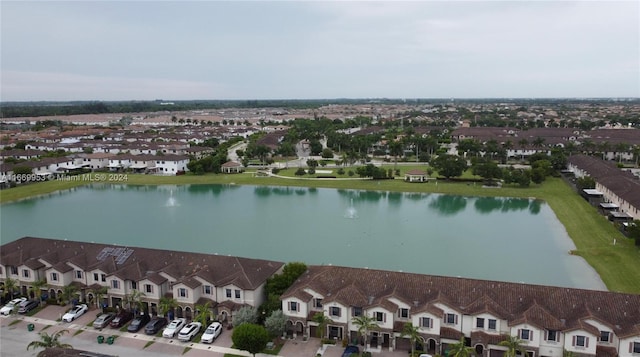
<point x="15" y="336"/>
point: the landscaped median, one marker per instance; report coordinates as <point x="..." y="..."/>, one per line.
<point x="618" y="265"/>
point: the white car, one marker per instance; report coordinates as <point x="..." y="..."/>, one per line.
<point x="6" y="309"/>
<point x="188" y="332"/>
<point x="214" y="330"/>
<point x="174" y="327"/>
<point x="75" y="312"/>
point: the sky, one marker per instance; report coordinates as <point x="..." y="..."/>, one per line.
<point x="147" y="50"/>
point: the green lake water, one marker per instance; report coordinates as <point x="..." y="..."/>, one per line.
<point x="505" y="239"/>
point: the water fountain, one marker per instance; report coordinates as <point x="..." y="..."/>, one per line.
<point x="351" y="212"/>
<point x="171" y="202"/>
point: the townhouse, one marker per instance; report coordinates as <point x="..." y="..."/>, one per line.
<point x="548" y="320"/>
<point x="620" y="189"/>
<point x="226" y="282"/>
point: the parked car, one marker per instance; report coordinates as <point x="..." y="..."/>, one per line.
<point x="27" y="306"/>
<point x="6" y="309"/>
<point x="138" y="322"/>
<point x="103" y="320"/>
<point x="188" y="332"/>
<point x="122" y="318"/>
<point x="174" y="327"/>
<point x="155" y="325"/>
<point x="350" y="350"/>
<point x="211" y="333"/>
<point x="75" y="312"/>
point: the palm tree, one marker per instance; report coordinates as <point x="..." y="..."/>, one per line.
<point x="460" y="349"/>
<point x="68" y="292"/>
<point x="10" y="285"/>
<point x="134" y="300"/>
<point x="514" y="346"/>
<point x="166" y="306"/>
<point x="36" y="288"/>
<point x="47" y="341"/>
<point x="322" y="321"/>
<point x="203" y="313"/>
<point x="99" y="294"/>
<point x="413" y="332"/>
<point x="365" y="324"/>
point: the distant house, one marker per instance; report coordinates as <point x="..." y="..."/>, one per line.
<point x="232" y="167"/>
<point x="171" y="164"/>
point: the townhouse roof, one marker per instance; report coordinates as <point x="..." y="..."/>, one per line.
<point x="135" y="263"/>
<point x="545" y="306"/>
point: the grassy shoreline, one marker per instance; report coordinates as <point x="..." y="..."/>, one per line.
<point x="618" y="265"/>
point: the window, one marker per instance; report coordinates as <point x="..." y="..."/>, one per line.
<point x="182" y="292"/>
<point x="492" y="324"/>
<point x="480" y="322"/>
<point x="115" y="284"/>
<point x="96" y="277"/>
<point x="228" y="292"/>
<point x="335" y="311"/>
<point x="381" y="317"/>
<point x="403" y="313"/>
<point x="148" y="288"/>
<point x="25" y="273"/>
<point x="54" y="276"/>
<point x="356" y="311"/>
<point x="525" y="334"/>
<point x="293" y="306"/>
<point x="634" y="347"/>
<point x="237" y="294"/>
<point x="134" y="285"/>
<point x="426" y="322"/>
<point x="450" y="319"/>
<point x="14" y="270"/>
<point x="103" y="277"/>
<point x="317" y="302"/>
<point x="207" y="289"/>
<point x="552" y="335"/>
<point x="78" y="274"/>
<point x="605" y="336"/>
<point x="580" y="341"/>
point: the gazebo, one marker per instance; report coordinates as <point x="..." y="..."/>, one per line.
<point x="416" y="176"/>
<point x="232" y="167"/>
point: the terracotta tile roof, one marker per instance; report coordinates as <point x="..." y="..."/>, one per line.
<point x="141" y="263"/>
<point x="486" y="338"/>
<point x="545" y="306"/>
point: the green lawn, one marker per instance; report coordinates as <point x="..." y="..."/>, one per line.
<point x="618" y="266"/>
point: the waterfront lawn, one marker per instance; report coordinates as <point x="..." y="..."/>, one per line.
<point x="618" y="265"/>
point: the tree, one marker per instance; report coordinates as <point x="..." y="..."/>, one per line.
<point x="514" y="346"/>
<point x="322" y="321"/>
<point x="245" y="315"/>
<point x="68" y="293"/>
<point x="460" y="349"/>
<point x="203" y="313"/>
<point x="275" y="323"/>
<point x="99" y="295"/>
<point x="10" y="286"/>
<point x="327" y="153"/>
<point x="166" y="306"/>
<point x="365" y="324"/>
<point x="450" y="166"/>
<point x="48" y="341"/>
<point x="250" y="337"/>
<point x="488" y="171"/>
<point x="413" y="333"/>
<point x="134" y="300"/>
<point x="36" y="288"/>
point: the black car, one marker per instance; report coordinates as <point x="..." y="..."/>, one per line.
<point x="350" y="350"/>
<point x="155" y="325"/>
<point x="138" y="322"/>
<point x="122" y="318"/>
<point x="27" y="306"/>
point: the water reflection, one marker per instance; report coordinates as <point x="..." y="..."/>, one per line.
<point x="448" y="205"/>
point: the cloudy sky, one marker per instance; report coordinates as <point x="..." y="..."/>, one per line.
<point x="126" y="50"/>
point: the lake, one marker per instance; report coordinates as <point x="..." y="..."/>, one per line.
<point x="505" y="239"/>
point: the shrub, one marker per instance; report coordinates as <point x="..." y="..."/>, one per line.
<point x="300" y="172"/>
<point x="275" y="170"/>
<point x="341" y="171"/>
